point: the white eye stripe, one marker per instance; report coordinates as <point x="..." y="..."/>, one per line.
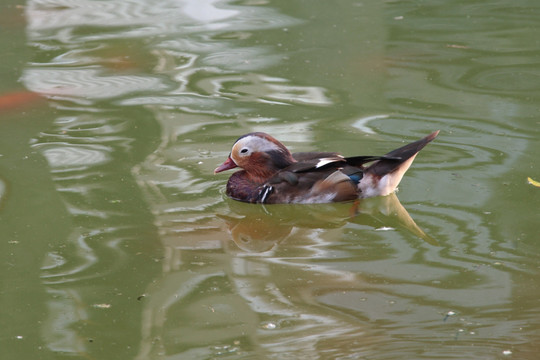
<point x="254" y="144"/>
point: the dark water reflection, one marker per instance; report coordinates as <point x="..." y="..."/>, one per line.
<point x="133" y="250"/>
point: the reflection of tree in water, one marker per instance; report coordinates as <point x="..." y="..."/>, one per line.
<point x="97" y="271"/>
<point x="91" y="271"/>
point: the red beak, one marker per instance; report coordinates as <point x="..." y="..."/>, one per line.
<point x="228" y="164"/>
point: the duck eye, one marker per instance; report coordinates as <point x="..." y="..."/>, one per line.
<point x="244" y="150"/>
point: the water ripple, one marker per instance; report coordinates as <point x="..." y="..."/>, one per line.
<point x="504" y="80"/>
<point x="132" y="18"/>
<point x="496" y="61"/>
<point x="87" y="83"/>
<point x="307" y="284"/>
<point x="63" y="155"/>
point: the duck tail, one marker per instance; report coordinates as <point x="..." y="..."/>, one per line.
<point x="383" y="176"/>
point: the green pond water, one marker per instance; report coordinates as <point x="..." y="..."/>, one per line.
<point x="117" y="240"/>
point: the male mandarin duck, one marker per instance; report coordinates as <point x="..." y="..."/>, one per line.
<point x="271" y="174"/>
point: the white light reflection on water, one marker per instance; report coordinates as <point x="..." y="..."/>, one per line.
<point x="87" y="83"/>
<point x="66" y="155"/>
<point x="132" y="18"/>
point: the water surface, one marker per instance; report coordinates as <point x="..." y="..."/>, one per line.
<point x="118" y="241"/>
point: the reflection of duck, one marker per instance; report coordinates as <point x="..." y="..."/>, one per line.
<point x="257" y="229"/>
<point x="272" y="175"/>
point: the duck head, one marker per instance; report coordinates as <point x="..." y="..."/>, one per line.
<point x="259" y="154"/>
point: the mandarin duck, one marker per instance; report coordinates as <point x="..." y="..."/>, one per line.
<point x="271" y="174"/>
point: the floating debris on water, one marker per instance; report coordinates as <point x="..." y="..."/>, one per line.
<point x="102" y="306"/>
<point x="448" y="314"/>
<point x="269" y="326"/>
<point x="384" y="228"/>
<point x="533" y="182"/>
